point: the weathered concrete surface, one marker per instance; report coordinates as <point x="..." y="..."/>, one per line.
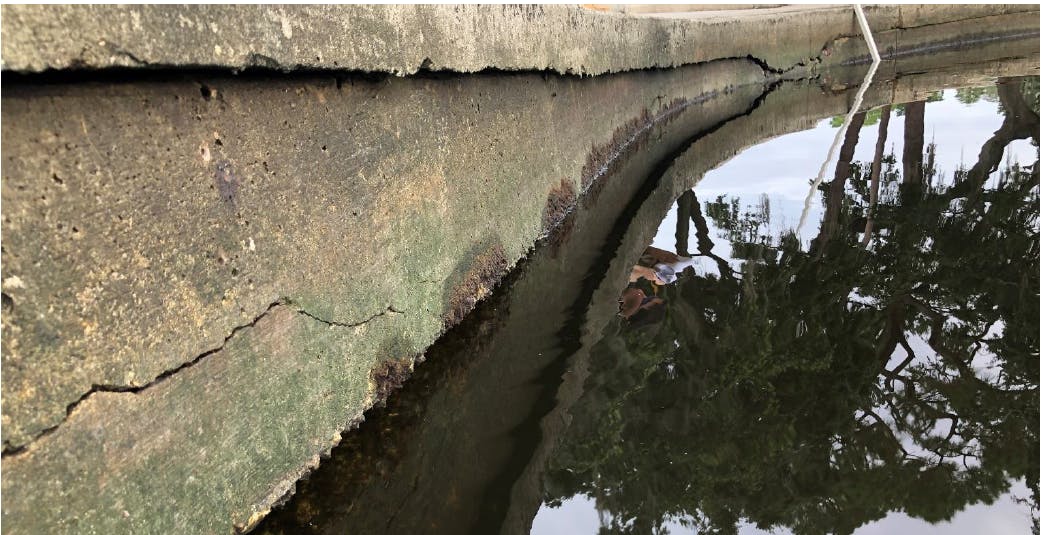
<point x="162" y="237"/>
<point x="406" y="39"/>
<point x="216" y="454"/>
<point x="131" y="251"/>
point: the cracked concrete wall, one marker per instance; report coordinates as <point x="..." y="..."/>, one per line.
<point x="201" y="446"/>
<point x="130" y="248"/>
<point x="145" y="221"/>
<point x="201" y="271"/>
<point x="405" y="39"/>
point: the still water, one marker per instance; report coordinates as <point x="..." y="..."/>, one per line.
<point x="727" y="369"/>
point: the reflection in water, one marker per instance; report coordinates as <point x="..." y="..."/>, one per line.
<point x="885" y="362"/>
<point x="892" y="365"/>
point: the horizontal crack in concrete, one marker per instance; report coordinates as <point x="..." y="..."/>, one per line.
<point x="10" y="451"/>
<point x="118" y="50"/>
<point x="389" y="310"/>
<point x="901" y="26"/>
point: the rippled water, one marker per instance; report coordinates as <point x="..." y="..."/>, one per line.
<point x="875" y="371"/>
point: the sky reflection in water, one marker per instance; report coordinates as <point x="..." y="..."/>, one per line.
<point x="780" y="171"/>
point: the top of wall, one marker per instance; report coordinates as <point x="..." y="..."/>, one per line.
<point x="404" y="39"/>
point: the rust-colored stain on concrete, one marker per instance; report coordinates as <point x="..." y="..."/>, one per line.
<point x="388" y="376"/>
<point x="560" y="200"/>
<point x="485" y="272"/>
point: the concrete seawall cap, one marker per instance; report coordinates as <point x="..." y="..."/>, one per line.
<point x="406" y="39"/>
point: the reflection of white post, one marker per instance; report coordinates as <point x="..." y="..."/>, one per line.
<point x="868" y="34"/>
<point x="874" y="51"/>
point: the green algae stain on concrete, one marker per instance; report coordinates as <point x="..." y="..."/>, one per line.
<point x="116" y="469"/>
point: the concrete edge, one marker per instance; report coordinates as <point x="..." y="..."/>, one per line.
<point x="406" y="39"/>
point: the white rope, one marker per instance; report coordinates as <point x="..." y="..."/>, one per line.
<point x="874" y="51"/>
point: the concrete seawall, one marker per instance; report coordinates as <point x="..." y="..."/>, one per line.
<point x="208" y="276"/>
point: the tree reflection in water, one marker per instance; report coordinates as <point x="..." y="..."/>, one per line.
<point x="891" y="366"/>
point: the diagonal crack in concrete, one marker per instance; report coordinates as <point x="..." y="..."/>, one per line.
<point x="10" y="450"/>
